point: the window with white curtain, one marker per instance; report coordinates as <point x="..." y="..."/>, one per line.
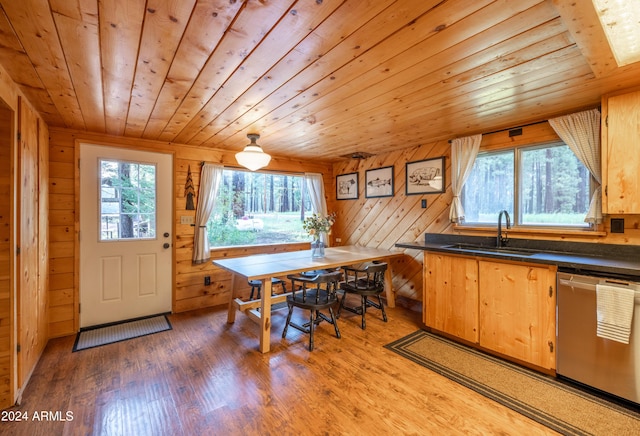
<point x="259" y="208"/>
<point x="540" y="186"/>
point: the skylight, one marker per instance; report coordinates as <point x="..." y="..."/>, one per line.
<point x="621" y="23"/>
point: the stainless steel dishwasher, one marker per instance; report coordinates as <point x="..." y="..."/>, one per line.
<point x="604" y="364"/>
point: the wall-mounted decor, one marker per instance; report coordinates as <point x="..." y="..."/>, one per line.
<point x="189" y="191"/>
<point x="425" y="176"/>
<point x="379" y="182"/>
<point x="347" y="186"/>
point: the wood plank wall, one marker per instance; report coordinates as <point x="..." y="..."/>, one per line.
<point x="382" y="222"/>
<point x="189" y="290"/>
<point x="6" y="133"/>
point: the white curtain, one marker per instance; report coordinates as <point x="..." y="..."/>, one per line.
<point x="210" y="178"/>
<point x="463" y="155"/>
<point x="581" y="132"/>
<point x="315" y="187"/>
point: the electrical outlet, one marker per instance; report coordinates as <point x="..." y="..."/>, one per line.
<point x="424" y="203"/>
<point x="617" y="225"/>
<point x="207" y="280"/>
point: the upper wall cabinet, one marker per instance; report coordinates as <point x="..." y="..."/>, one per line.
<point x="620" y="157"/>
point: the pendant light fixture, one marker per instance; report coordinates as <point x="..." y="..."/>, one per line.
<point x="252" y="157"/>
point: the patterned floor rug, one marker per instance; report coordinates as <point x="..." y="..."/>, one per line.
<point x="95" y="337"/>
<point x="553" y="403"/>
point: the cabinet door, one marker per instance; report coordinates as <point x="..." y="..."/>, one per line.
<point x="451" y="295"/>
<point x="621" y="143"/>
<point x="517" y="311"/>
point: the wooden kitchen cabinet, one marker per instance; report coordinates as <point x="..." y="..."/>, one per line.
<point x="620" y="153"/>
<point x="451" y="295"/>
<point x="518" y="310"/>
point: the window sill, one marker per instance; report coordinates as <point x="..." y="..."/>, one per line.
<point x="574" y="233"/>
<point x="274" y="247"/>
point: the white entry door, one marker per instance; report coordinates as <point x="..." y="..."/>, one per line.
<point x="125" y="241"/>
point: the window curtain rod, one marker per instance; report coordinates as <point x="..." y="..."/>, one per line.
<point x="511" y="128"/>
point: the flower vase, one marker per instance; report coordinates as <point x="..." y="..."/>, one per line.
<point x="317" y="249"/>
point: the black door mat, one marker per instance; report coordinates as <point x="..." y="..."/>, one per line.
<point x="96" y="337"/>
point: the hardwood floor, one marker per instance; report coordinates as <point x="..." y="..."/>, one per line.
<point x="207" y="377"/>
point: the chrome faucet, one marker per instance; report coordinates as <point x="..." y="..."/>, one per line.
<point x="500" y="241"/>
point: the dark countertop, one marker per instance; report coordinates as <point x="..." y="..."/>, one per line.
<point x="622" y="261"/>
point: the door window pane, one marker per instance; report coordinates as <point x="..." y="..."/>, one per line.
<point x="127" y="200"/>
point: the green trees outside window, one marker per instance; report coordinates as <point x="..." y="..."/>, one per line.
<point x="542" y="185"/>
<point x="256" y="208"/>
<point x="127" y="200"/>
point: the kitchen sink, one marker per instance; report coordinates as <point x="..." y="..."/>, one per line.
<point x="493" y="250"/>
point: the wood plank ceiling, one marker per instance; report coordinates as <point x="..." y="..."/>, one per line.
<point x="317" y="79"/>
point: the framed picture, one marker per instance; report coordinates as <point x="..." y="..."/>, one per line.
<point x="347" y="186"/>
<point x="425" y="176"/>
<point x="379" y="182"/>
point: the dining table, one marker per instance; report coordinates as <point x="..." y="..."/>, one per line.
<point x="265" y="267"/>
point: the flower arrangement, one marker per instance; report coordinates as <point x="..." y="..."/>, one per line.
<point x="317" y="224"/>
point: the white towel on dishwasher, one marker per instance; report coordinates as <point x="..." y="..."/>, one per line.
<point x="615" y="312"/>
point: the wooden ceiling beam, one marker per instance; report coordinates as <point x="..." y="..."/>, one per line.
<point x="581" y="19"/>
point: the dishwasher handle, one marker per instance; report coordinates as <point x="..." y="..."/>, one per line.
<point x="577" y="284"/>
<point x="590" y="286"/>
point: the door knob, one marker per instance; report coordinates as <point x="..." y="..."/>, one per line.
<point x="166" y="234"/>
<point x="166" y="245"/>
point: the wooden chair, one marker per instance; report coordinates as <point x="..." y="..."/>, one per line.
<point x="366" y="282"/>
<point x="256" y="285"/>
<point x="314" y="294"/>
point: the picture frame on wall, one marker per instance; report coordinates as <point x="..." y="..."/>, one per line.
<point x="425" y="176"/>
<point x="379" y="182"/>
<point x="347" y="186"/>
